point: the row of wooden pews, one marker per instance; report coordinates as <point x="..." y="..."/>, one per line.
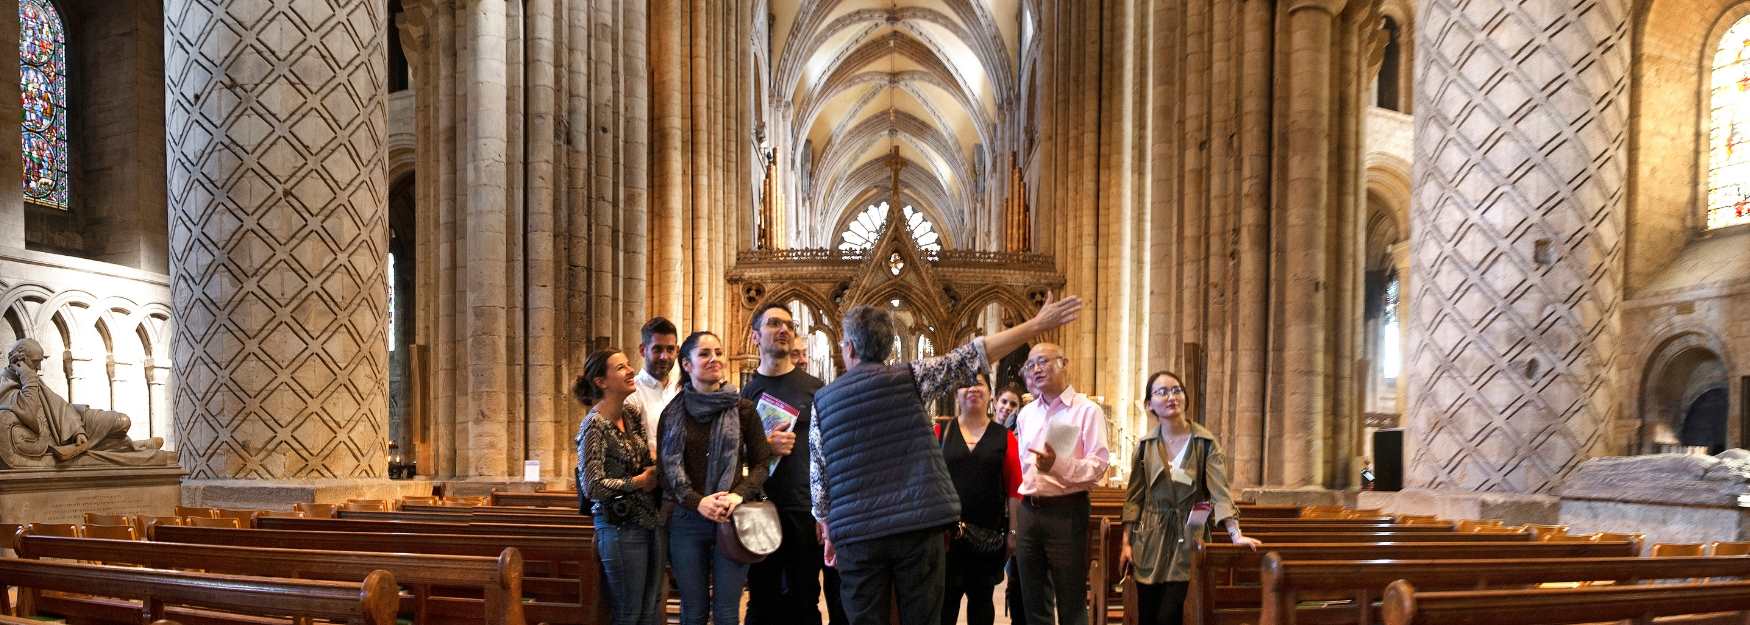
<point x="1333" y="566"/>
<point x="428" y="561"/>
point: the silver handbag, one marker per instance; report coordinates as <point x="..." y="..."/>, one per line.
<point x="751" y="533"/>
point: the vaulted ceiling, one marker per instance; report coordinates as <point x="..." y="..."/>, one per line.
<point x="858" y="81"/>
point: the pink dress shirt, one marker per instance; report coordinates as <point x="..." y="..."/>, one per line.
<point x="1076" y="470"/>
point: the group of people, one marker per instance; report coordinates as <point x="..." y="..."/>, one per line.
<point x="881" y="511"/>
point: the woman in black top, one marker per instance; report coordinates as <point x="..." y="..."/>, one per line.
<point x="619" y="475"/>
<point x="984" y="462"/>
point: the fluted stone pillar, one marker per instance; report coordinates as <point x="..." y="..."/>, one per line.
<point x="276" y="135"/>
<point x="1516" y="257"/>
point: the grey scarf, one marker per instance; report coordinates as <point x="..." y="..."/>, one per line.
<point x="722" y="460"/>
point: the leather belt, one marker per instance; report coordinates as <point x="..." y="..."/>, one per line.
<point x="1033" y="501"/>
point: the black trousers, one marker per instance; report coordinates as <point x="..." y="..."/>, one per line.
<point x="904" y="570"/>
<point x="1052" y="553"/>
<point x="784" y="589"/>
<point x="1161" y="604"/>
<point x="974" y="576"/>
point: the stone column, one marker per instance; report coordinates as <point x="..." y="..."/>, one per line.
<point x="668" y="268"/>
<point x="278" y="232"/>
<point x="484" y="428"/>
<point x="11" y="143"/>
<point x="1308" y="211"/>
<point x="1516" y="258"/>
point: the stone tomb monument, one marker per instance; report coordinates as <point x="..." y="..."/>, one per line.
<point x="59" y="460"/>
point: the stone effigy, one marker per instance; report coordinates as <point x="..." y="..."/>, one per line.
<point x="1663" y="478"/>
<point x="40" y="429"/>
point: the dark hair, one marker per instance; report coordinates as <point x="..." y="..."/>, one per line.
<point x="1148" y="388"/>
<point x="870" y="331"/>
<point x="760" y="313"/>
<point x="688" y="347"/>
<point x="656" y="325"/>
<point x="1011" y="388"/>
<point x="594" y="366"/>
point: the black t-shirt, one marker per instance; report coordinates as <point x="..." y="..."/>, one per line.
<point x="788" y="486"/>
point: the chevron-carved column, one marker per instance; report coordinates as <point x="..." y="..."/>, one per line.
<point x="276" y="139"/>
<point x="1516" y="254"/>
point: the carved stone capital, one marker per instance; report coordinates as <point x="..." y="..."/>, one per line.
<point x="1330" y="7"/>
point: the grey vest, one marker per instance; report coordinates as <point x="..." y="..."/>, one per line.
<point x="885" y="474"/>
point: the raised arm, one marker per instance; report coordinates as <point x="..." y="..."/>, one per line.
<point x="1054" y="314"/>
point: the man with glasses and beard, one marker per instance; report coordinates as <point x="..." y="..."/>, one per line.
<point x="785" y="588"/>
<point x="1051" y="521"/>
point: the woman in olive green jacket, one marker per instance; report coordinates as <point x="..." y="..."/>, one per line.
<point x="1177" y="466"/>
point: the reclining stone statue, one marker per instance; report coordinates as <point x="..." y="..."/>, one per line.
<point x="40" y="429"/>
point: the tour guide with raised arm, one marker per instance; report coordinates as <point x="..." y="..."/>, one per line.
<point x="881" y="491"/>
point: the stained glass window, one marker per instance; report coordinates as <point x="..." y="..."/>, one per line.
<point x="1390" y="333"/>
<point x="42" y="59"/>
<point x="866" y="227"/>
<point x="1728" y="176"/>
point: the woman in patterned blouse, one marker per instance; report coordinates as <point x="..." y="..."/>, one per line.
<point x="620" y="477"/>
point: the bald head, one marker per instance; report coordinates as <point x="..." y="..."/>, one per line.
<point x="1046" y="371"/>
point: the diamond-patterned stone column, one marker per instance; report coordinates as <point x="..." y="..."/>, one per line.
<point x="1516" y="254"/>
<point x="276" y="133"/>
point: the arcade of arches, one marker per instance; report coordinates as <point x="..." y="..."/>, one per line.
<point x="283" y="235"/>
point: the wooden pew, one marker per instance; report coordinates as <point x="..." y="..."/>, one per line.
<point x="1271" y="538"/>
<point x="498" y="582"/>
<point x="465" y="515"/>
<point x="524" y="511"/>
<point x="1404" y="605"/>
<point x="1286" y="582"/>
<point x="1225" y="576"/>
<point x="1340" y="525"/>
<point x="1268" y="511"/>
<point x="215" y="598"/>
<point x="424" y="527"/>
<point x="545" y="499"/>
<point x="561" y="573"/>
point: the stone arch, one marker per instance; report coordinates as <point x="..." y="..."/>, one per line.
<point x="1685" y="367"/>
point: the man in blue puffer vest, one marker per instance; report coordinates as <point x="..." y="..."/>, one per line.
<point x="880" y="490"/>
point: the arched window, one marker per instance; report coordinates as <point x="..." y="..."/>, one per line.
<point x="866" y="227"/>
<point x="42" y="65"/>
<point x="1386" y="88"/>
<point x="1390" y="332"/>
<point x="1728" y="176"/>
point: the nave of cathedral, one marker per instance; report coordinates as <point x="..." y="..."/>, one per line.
<point x="1441" y="261"/>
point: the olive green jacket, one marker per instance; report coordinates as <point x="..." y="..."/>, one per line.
<point x="1157" y="506"/>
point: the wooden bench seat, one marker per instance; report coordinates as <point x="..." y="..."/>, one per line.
<point x="1272" y="538"/>
<point x="547" y="499"/>
<point x="93" y="593"/>
<point x="518" y="510"/>
<point x="494" y="584"/>
<point x="467" y="515"/>
<point x="424" y="527"/>
<point x="1287" y="582"/>
<point x="1640" y="604"/>
<point x="561" y="574"/>
<point x="1225" y="577"/>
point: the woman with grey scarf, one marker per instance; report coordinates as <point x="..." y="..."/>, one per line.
<point x="714" y="456"/>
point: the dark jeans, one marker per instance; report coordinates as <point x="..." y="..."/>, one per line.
<point x="784" y="589"/>
<point x="1161" y="604"/>
<point x="631" y="558"/>
<point x="974" y="576"/>
<point x="1052" y="554"/>
<point x="835" y="600"/>
<point x="710" y="584"/>
<point x="909" y="567"/>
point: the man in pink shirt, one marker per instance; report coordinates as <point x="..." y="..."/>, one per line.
<point x="1051" y="518"/>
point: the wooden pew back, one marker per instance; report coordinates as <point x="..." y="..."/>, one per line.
<point x="372" y="602"/>
<point x="1404" y="605"/>
<point x="498" y="580"/>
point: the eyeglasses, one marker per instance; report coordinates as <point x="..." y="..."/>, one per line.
<point x="1168" y="391"/>
<point x="776" y="323"/>
<point x="1037" y="364"/>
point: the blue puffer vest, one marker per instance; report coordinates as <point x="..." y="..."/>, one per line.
<point x="885" y="474"/>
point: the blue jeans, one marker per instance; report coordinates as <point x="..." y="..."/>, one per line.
<point x="631" y="558"/>
<point x="702" y="574"/>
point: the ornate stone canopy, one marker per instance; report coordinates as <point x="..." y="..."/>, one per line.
<point x="947" y="292"/>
